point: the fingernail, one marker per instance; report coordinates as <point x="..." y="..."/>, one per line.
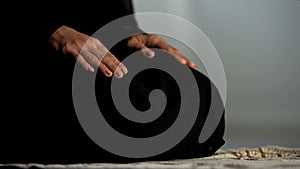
<point x="183" y="61"/>
<point x="124" y="69"/>
<point x="107" y="72"/>
<point x="91" y="69"/>
<point x="119" y="74"/>
<point x="148" y="53"/>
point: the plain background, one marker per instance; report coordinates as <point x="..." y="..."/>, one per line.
<point x="259" y="44"/>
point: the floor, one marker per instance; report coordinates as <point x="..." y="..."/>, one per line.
<point x="268" y="157"/>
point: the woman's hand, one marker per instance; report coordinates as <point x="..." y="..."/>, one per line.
<point x="88" y="51"/>
<point x="91" y="53"/>
<point x="144" y="41"/>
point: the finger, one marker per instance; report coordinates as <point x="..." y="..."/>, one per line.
<point x="138" y="44"/>
<point x="84" y="64"/>
<point x="111" y="62"/>
<point x="157" y="41"/>
<point x="105" y="70"/>
<point x="98" y="51"/>
<point x="148" y="52"/>
<point x="90" y="58"/>
<point x="112" y="66"/>
<point x="123" y="68"/>
<point x="120" y="65"/>
<point x="180" y="57"/>
<point x="145" y="50"/>
<point x="80" y="59"/>
<point x="174" y="52"/>
<point x="192" y="64"/>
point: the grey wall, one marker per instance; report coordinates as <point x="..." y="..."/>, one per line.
<point x="259" y="44"/>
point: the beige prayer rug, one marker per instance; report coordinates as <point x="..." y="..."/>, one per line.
<point x="269" y="157"/>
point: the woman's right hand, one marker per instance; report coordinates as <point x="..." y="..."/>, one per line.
<point x="88" y="51"/>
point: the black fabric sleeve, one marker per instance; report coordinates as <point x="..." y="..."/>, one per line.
<point x="87" y="17"/>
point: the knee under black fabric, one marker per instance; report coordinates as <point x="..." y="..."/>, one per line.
<point x="46" y="128"/>
<point x="140" y="87"/>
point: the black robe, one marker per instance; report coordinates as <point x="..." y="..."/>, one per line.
<point x="38" y="121"/>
